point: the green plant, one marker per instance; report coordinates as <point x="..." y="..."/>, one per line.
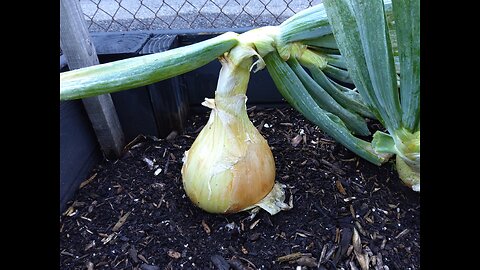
<point x="363" y="35"/>
<point x="378" y="43"/>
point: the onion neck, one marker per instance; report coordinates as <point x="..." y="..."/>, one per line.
<point x="230" y="95"/>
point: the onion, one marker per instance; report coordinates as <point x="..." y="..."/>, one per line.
<point x="229" y="167"/>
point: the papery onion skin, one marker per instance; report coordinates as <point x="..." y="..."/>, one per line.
<point x="230" y="166"/>
<point x="226" y="170"/>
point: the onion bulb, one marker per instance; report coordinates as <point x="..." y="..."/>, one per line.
<point x="230" y="167"/>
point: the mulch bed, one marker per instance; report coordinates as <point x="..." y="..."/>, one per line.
<point x="133" y="213"/>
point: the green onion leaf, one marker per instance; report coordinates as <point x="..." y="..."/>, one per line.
<point x="407" y="24"/>
<point x="327" y="41"/>
<point x="384" y="143"/>
<point x="307" y="24"/>
<point x="338" y="74"/>
<point x="348" y="35"/>
<point x="292" y="89"/>
<point x="348" y="98"/>
<point x="353" y="121"/>
<point x="336" y="60"/>
<point x="376" y="45"/>
<point x="138" y="71"/>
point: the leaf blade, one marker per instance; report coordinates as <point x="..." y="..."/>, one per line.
<point x="138" y="71"/>
<point x="295" y="93"/>
<point x="372" y="26"/>
<point x="352" y="120"/>
<point x="348" y="98"/>
<point x="345" y="29"/>
<point x="407" y="26"/>
<point x="361" y="32"/>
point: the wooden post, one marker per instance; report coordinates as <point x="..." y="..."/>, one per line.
<point x="77" y="47"/>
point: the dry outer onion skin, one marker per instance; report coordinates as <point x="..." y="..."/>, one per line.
<point x="274" y="201"/>
<point x="230" y="166"/>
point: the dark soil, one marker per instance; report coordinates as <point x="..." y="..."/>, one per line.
<point x="347" y="212"/>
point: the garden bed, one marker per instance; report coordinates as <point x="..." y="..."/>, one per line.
<point x="133" y="213"/>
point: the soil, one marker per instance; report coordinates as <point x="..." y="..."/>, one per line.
<point x="347" y="213"/>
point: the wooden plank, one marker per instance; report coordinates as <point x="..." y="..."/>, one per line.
<point x="79" y="151"/>
<point x="135" y="112"/>
<point x="169" y="100"/>
<point x="170" y="105"/>
<point x="159" y="43"/>
<point x="119" y="43"/>
<point x="134" y="107"/>
<point x="77" y="47"/>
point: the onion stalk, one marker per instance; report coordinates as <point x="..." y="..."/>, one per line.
<point x="139" y="71"/>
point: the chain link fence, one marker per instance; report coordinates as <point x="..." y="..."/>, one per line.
<point x="131" y="15"/>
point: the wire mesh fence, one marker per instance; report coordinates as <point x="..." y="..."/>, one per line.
<point x="130" y="15"/>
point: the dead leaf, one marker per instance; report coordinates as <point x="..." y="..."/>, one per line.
<point x="174" y="254"/>
<point x="86" y="182"/>
<point x="340" y="187"/>
<point x="360" y="228"/>
<point x="254" y="224"/>
<point x="108" y="238"/>
<point x="206" y="228"/>
<point x="141" y="257"/>
<point x="379" y="265"/>
<point x="289" y="257"/>
<point x="71" y="211"/>
<point x="149" y="163"/>
<point x="89" y="245"/>
<point x="402" y="233"/>
<point x="353" y="266"/>
<point x="360" y="255"/>
<point x="349" y="250"/>
<point x="322" y="254"/>
<point x="120" y="222"/>
<point x="296" y="140"/>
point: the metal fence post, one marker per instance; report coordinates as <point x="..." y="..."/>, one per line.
<point x="78" y="49"/>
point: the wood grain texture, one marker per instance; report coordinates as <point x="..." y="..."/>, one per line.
<point x="169" y="100"/>
<point x="159" y="43"/>
<point x="119" y="42"/>
<point x="79" y="149"/>
<point x="78" y="48"/>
